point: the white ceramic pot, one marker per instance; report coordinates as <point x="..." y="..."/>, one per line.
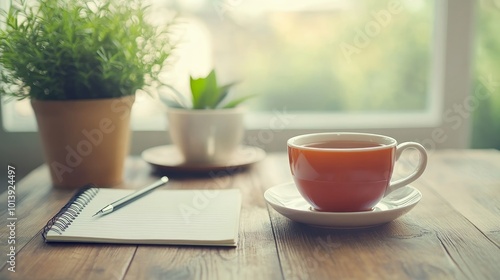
<point x="206" y="136"/>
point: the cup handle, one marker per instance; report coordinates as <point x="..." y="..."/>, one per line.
<point x="422" y="163"/>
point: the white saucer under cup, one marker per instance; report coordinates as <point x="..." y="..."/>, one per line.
<point x="286" y="200"/>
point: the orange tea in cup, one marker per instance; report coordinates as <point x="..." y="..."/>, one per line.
<point x="347" y="172"/>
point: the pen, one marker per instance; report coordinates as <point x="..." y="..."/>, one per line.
<point x="131" y="197"/>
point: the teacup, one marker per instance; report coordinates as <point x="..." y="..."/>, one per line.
<point x="348" y="172"/>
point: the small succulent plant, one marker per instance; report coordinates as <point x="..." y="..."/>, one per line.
<point x="206" y="94"/>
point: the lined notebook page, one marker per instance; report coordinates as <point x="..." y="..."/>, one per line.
<point x="183" y="217"/>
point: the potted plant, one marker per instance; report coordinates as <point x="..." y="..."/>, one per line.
<point x="208" y="128"/>
<point x="80" y="63"/>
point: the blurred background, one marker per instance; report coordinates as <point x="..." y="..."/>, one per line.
<point x="393" y="67"/>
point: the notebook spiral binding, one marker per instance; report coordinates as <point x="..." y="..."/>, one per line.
<point x="62" y="220"/>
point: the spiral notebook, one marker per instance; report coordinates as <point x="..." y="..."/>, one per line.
<point x="163" y="217"/>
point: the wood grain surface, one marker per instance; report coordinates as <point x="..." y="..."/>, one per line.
<point x="453" y="233"/>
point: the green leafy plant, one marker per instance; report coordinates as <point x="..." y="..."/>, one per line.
<point x="79" y="49"/>
<point x="206" y="94"/>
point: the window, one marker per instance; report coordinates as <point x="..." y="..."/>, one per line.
<point x="341" y="64"/>
<point x="486" y="87"/>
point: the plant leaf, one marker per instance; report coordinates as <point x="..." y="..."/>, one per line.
<point x="209" y="97"/>
<point x="236" y="102"/>
<point x="175" y="99"/>
<point x="223" y="92"/>
<point x="197" y="88"/>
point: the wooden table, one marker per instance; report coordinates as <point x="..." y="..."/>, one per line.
<point x="453" y="233"/>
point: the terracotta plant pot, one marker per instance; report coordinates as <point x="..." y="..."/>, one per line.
<point x="85" y="141"/>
